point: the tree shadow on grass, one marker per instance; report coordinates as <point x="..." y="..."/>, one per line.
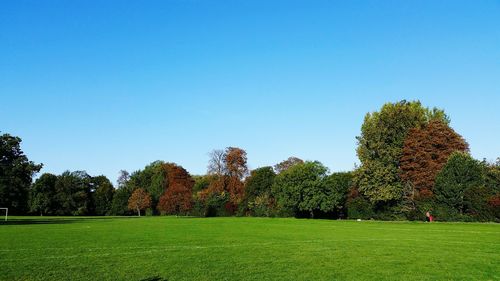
<point x="56" y="220"/>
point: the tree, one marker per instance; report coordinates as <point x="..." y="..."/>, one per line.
<point x="153" y="178"/>
<point x="202" y="182"/>
<point x="492" y="175"/>
<point x="460" y="174"/>
<point x="235" y="162"/>
<point x="139" y="200"/>
<point x="216" y="164"/>
<point x="42" y="194"/>
<point x="73" y="193"/>
<point x="337" y="186"/>
<point x="287" y="164"/>
<point x="302" y="188"/>
<point x="103" y="195"/>
<point x="228" y="169"/>
<point x="258" y="192"/>
<point x="425" y="152"/>
<point x="119" y="204"/>
<point x="380" y="147"/>
<point x="177" y="199"/>
<point x="259" y="182"/>
<point x="176" y="174"/>
<point x="16" y="173"/>
<point x="123" y="178"/>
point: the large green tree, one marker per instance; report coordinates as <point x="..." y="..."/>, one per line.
<point x="153" y="178"/>
<point x="380" y="147"/>
<point x="16" y="173"/>
<point x="73" y="194"/>
<point x="304" y="188"/>
<point x="258" y="198"/>
<point x="338" y="186"/>
<point x="260" y="181"/>
<point x="460" y="174"/>
<point x="119" y="204"/>
<point x="102" y="195"/>
<point x="42" y="195"/>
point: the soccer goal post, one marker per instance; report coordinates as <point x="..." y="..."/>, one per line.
<point x="6" y="212"/>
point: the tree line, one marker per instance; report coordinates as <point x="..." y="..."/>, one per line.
<point x="411" y="162"/>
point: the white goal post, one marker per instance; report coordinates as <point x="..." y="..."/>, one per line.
<point x="6" y="212"/>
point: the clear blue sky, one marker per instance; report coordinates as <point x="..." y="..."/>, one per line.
<point x="108" y="85"/>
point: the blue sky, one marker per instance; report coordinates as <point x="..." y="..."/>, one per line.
<point x="108" y="85"/>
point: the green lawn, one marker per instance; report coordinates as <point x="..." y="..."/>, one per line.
<point x="169" y="248"/>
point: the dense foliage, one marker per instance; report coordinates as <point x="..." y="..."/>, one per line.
<point x="139" y="201"/>
<point x="425" y="152"/>
<point x="412" y="162"/>
<point x="177" y="199"/>
<point x="381" y="147"/>
<point x="16" y="173"/>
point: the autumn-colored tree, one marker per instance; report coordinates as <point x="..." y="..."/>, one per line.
<point x="287" y="164"/>
<point x="235" y="160"/>
<point x="228" y="167"/>
<point x="236" y="169"/>
<point x="177" y="175"/>
<point x="426" y="150"/>
<point x="177" y="199"/>
<point x="139" y="200"/>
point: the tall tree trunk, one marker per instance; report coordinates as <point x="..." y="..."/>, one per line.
<point x="138" y="212"/>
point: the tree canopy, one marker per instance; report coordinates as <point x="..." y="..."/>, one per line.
<point x="16" y="173"/>
<point x="380" y="147"/>
<point x="426" y="151"/>
<point x="139" y="201"/>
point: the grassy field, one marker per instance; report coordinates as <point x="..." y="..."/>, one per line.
<point x="168" y="248"/>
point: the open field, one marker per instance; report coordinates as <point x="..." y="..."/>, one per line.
<point x="169" y="248"/>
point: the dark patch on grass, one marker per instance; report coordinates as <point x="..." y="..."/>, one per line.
<point x="154" y="278"/>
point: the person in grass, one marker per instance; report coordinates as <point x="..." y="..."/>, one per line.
<point x="429" y="217"/>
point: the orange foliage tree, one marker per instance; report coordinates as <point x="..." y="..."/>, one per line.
<point x="139" y="200"/>
<point x="229" y="169"/>
<point x="177" y="198"/>
<point x="425" y="152"/>
<point x="236" y="170"/>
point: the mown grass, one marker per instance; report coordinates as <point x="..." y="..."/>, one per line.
<point x="169" y="248"/>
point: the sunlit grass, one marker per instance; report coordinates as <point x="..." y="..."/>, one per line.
<point x="169" y="248"/>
